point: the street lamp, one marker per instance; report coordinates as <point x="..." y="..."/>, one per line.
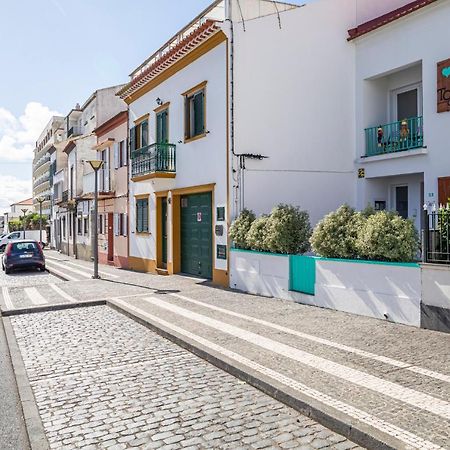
<point x="96" y="165"/>
<point x="24" y="210"/>
<point x="40" y="200"/>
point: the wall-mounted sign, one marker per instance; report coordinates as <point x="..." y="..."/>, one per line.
<point x="361" y="173"/>
<point x="380" y="205"/>
<point x="221" y="252"/>
<point x="220" y="213"/>
<point x="219" y="230"/>
<point x="443" y="86"/>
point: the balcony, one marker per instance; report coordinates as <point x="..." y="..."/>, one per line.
<point x="155" y="159"/>
<point x="74" y="131"/>
<point x="394" y="137"/>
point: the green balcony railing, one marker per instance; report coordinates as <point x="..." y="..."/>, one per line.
<point x="152" y="159"/>
<point x="394" y="137"/>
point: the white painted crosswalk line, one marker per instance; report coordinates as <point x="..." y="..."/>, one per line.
<point x="101" y="272"/>
<point x="34" y="296"/>
<point x="7" y="298"/>
<point x="356" y="351"/>
<point x="62" y="293"/>
<point x="411" y="440"/>
<point x="363" y="379"/>
<point x="71" y="269"/>
<point x="63" y="274"/>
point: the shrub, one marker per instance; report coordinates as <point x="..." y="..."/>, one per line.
<point x="288" y="230"/>
<point x="240" y="227"/>
<point x="388" y="237"/>
<point x="256" y="236"/>
<point x="335" y="235"/>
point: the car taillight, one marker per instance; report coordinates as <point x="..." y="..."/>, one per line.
<point x="8" y="250"/>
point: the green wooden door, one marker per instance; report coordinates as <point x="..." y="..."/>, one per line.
<point x="164" y="231"/>
<point x="196" y="235"/>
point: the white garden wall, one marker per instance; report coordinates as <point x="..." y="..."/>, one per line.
<point x="260" y="273"/>
<point x="379" y="290"/>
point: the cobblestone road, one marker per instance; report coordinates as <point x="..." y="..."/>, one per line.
<point x="103" y="381"/>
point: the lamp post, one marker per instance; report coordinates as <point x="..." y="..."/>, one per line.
<point x="40" y="200"/>
<point x="24" y="210"/>
<point x="96" y="165"/>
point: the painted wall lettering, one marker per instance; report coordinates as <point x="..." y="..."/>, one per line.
<point x="443" y="86"/>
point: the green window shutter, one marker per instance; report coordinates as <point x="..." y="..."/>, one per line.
<point x="144" y="133"/>
<point x="133" y="139"/>
<point x="187" y="117"/>
<point x="164" y="128"/>
<point x="145" y="215"/>
<point x="138" y="216"/>
<point x="159" y="130"/>
<point x="199" y="125"/>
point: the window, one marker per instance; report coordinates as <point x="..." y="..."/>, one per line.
<point x="142" y="215"/>
<point x="139" y="135"/>
<point x="86" y="226"/>
<point x="162" y="129"/>
<point x="64" y="227"/>
<point x="79" y="225"/>
<point x="120" y="154"/>
<point x="120" y="224"/>
<point x="70" y="225"/>
<point x="100" y="223"/>
<point x="194" y="114"/>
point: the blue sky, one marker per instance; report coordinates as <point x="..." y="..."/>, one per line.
<point x="55" y="53"/>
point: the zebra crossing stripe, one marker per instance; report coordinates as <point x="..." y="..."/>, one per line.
<point x="7" y="298"/>
<point x="63" y="294"/>
<point x="71" y="269"/>
<point x="35" y="297"/>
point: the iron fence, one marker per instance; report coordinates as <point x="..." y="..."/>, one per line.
<point x="436" y="236"/>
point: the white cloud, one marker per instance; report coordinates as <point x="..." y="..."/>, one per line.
<point x="18" y="135"/>
<point x="13" y="190"/>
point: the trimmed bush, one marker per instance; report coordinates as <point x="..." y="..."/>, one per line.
<point x="288" y="230"/>
<point x="256" y="236"/>
<point x="385" y="236"/>
<point x="240" y="227"/>
<point x="335" y="235"/>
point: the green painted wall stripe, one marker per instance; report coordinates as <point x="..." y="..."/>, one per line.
<point x="259" y="253"/>
<point x="364" y="261"/>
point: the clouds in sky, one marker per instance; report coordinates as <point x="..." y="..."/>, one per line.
<point x="12" y="190"/>
<point x="18" y="136"/>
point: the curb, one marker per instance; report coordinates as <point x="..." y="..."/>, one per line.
<point x="56" y="307"/>
<point x="33" y="423"/>
<point x="56" y="275"/>
<point x="361" y="434"/>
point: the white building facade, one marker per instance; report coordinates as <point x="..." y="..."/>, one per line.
<point x="179" y="154"/>
<point x="402" y="109"/>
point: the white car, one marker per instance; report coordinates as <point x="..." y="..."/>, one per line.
<point x="17" y="235"/>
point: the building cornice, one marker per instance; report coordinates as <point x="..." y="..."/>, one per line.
<point x="387" y="18"/>
<point x="196" y="44"/>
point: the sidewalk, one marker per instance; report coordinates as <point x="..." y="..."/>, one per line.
<point x="373" y="381"/>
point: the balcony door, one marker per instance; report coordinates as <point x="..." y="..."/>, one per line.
<point x="401" y="201"/>
<point x="162" y="129"/>
<point x="406" y="102"/>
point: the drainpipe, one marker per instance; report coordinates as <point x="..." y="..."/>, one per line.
<point x="237" y="171"/>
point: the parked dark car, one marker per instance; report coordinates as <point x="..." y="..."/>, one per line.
<point x="23" y="254"/>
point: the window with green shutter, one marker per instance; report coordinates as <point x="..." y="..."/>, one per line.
<point x="162" y="129"/>
<point x="195" y="114"/>
<point x="144" y="133"/>
<point x="142" y="215"/>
